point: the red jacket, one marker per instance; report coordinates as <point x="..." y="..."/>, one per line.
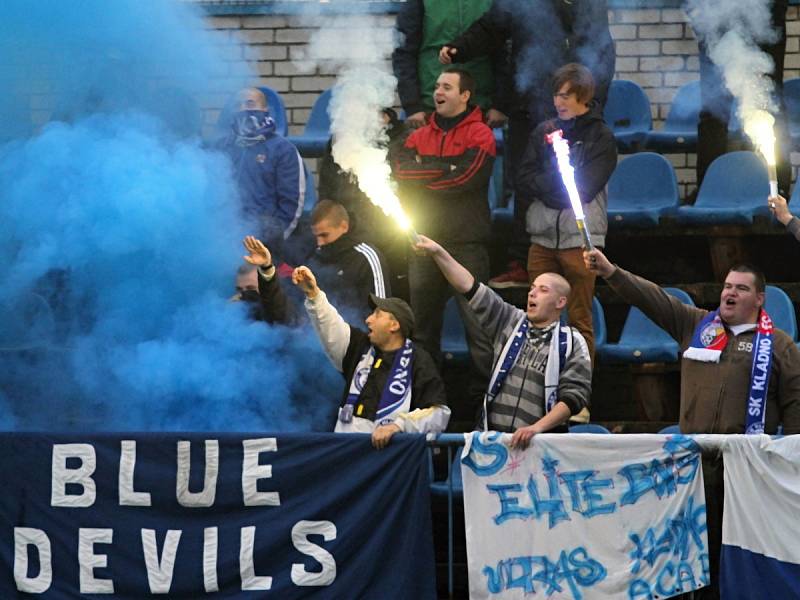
<point x="444" y="176"/>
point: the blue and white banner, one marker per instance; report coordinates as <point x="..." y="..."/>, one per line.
<point x="760" y="550"/>
<point x="230" y="516"/>
<point x="584" y="516"/>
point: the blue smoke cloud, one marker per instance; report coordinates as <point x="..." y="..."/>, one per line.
<point x="121" y="235"/>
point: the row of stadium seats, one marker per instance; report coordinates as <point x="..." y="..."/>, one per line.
<point x="629" y="115"/>
<point x="643" y="189"/>
<point x="627" y="112"/>
<point x="641" y="340"/>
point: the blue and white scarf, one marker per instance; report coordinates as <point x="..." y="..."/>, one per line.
<point x="708" y="342"/>
<point x="252" y="126"/>
<point x="560" y="348"/>
<point x="396" y="395"/>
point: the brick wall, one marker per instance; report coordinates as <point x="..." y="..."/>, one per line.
<point x="655" y="48"/>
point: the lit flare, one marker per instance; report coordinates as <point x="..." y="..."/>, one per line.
<point x="376" y="185"/>
<point x="758" y="125"/>
<point x="561" y="148"/>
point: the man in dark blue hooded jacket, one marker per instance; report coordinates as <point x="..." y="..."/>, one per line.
<point x="267" y="168"/>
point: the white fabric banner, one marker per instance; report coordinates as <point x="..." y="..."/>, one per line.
<point x="760" y="553"/>
<point x="584" y="516"/>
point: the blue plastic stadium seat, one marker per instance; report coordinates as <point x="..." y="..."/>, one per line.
<point x="642" y="188"/>
<point x="781" y="310"/>
<point x="310" y="198"/>
<point x="454" y="339"/>
<point x="277" y="111"/>
<point x="671" y="430"/>
<point x="599" y="324"/>
<point x="627" y="113"/>
<point x="642" y="341"/>
<point x="502" y="209"/>
<point x="791" y="97"/>
<point x="588" y="428"/>
<point x="440" y="488"/>
<point x="794" y="199"/>
<point x="679" y="133"/>
<point x="311" y="143"/>
<point x="734" y="190"/>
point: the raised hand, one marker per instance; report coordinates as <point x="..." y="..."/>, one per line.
<point x="259" y="254"/>
<point x="446" y="55"/>
<point x="780" y="208"/>
<point x="597" y="263"/>
<point x="303" y="278"/>
<point x="427" y="246"/>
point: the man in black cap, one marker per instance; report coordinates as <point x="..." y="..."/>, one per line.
<point x="393" y="384"/>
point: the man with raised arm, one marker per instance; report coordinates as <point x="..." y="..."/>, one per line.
<point x="541" y="371"/>
<point x="779" y="207"/>
<point x="392" y="383"/>
<point x="738" y="373"/>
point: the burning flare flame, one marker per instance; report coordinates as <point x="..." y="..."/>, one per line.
<point x="561" y="148"/>
<point x="567" y="171"/>
<point x="758" y="125"/>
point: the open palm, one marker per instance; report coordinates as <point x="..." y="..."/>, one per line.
<point x="259" y="255"/>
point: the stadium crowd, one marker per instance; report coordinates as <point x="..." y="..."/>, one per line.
<point x="461" y="74"/>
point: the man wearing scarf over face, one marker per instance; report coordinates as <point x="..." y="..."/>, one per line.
<point x="392" y="383"/>
<point x="267" y="169"/>
<point x="738" y="373"/>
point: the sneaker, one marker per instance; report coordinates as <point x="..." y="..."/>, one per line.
<point x="516" y="277"/>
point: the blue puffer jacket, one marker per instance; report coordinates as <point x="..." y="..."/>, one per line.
<point x="271" y="182"/>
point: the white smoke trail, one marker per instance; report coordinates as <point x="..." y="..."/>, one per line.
<point x="359" y="47"/>
<point x="732" y="32"/>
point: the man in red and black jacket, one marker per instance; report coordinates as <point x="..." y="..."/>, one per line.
<point x="444" y="169"/>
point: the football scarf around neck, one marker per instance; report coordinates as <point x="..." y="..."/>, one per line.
<point x="708" y="342"/>
<point x="396" y="395"/>
<point x="560" y="348"/>
<point x="759" y="375"/>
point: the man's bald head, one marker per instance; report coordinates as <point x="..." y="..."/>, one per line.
<point x="559" y="283"/>
<point x="547" y="298"/>
<point x="251" y="98"/>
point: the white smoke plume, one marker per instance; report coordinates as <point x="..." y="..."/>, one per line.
<point x="733" y="31"/>
<point x="359" y="48"/>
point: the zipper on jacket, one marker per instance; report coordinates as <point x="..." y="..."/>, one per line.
<point x="441" y="146"/>
<point x="558" y="229"/>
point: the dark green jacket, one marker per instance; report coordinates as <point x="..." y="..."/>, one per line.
<point x="426" y="26"/>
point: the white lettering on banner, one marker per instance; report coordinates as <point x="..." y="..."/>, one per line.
<point x="252" y="472"/>
<point x="754" y="407"/>
<point x="88" y="561"/>
<point x="210" y="546"/>
<point x="207" y="496"/>
<point x="74" y="469"/>
<point x="28" y="536"/>
<point x="762" y="363"/>
<point x="300" y="533"/>
<point x="127" y="466"/>
<point x="61" y="475"/>
<point x="159" y="572"/>
<point x="247" y="569"/>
